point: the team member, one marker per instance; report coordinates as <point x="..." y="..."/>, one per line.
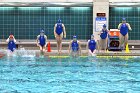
<point x="91" y="46"/>
<point x="42" y="41"/>
<point x="123" y="27"/>
<point x="74" y="47"/>
<point x="11" y="43"/>
<point x="59" y="33"/>
<point x="103" y="38"/>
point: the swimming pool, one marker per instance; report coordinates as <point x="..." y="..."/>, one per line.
<point x="69" y="75"/>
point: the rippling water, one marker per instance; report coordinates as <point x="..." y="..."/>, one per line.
<point x="69" y="75"/>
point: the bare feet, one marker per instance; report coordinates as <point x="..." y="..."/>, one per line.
<point x="59" y="52"/>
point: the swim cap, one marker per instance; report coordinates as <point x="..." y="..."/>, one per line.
<point x="123" y="19"/>
<point x="74" y="36"/>
<point x="42" y="31"/>
<point x="104" y="25"/>
<point x="59" y="21"/>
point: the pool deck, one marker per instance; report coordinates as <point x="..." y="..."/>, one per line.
<point x="108" y="53"/>
<point x="31" y="45"/>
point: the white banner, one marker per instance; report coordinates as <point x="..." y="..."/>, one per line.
<point x="100" y="21"/>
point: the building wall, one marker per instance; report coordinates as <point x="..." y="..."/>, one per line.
<point x="132" y="15"/>
<point x="46" y="0"/>
<point x="26" y="22"/>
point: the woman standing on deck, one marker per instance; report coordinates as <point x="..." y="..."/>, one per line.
<point x="123" y="27"/>
<point x="59" y="33"/>
<point x="103" y="38"/>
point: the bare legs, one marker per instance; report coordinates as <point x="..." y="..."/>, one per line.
<point x="59" y="43"/>
<point x="42" y="49"/>
<point x="103" y="44"/>
<point x="91" y="53"/>
<point x="123" y="40"/>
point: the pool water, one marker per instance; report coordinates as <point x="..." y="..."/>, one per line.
<point x="69" y="75"/>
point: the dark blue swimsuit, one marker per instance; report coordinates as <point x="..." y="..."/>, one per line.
<point x="42" y="40"/>
<point x="11" y="45"/>
<point x="59" y="28"/>
<point x="75" y="46"/>
<point x="103" y="34"/>
<point x="92" y="45"/>
<point x="124" y="29"/>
